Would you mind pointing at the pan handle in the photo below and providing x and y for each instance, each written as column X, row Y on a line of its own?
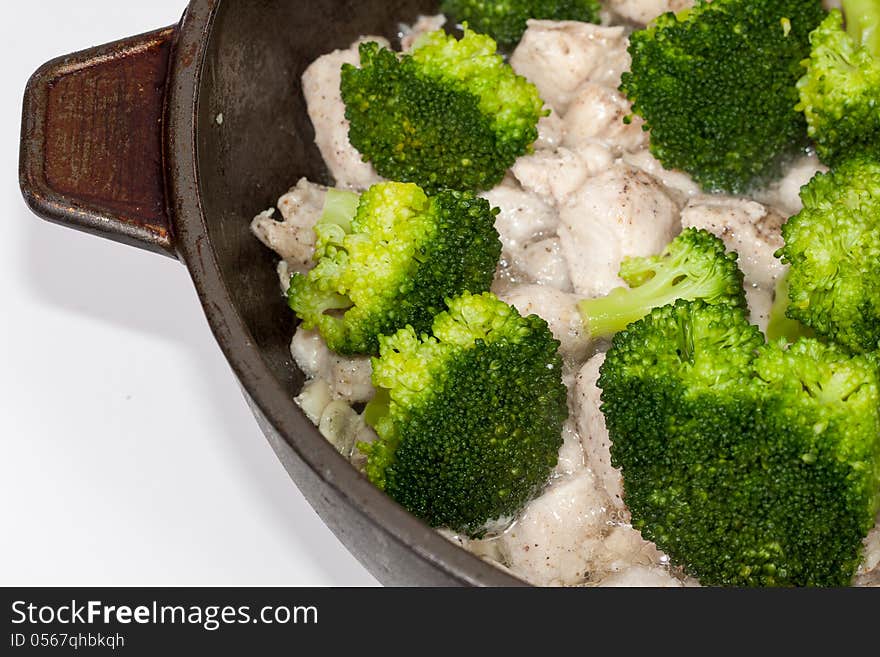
column 91, row 141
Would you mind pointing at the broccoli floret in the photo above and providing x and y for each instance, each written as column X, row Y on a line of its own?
column 833, row 246
column 389, row 259
column 749, row 464
column 840, row 91
column 716, row 85
column 695, row 265
column 469, row 418
column 505, row 20
column 451, row 114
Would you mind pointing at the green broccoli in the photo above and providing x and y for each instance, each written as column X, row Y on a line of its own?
column 389, row 259
column 505, row 20
column 470, row 418
column 780, row 325
column 452, row 114
column 840, row 91
column 716, row 85
column 833, row 246
column 695, row 265
column 749, row 464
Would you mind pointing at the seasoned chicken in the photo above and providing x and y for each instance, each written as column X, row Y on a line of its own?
column 644, row 11
column 320, row 85
column 559, row 310
column 594, row 434
column 293, row 238
column 642, row 576
column 596, row 115
column 553, row 540
column 679, row 185
column 556, row 175
column 524, row 217
column 571, row 454
column 559, row 56
column 619, row 213
column 542, row 263
column 754, row 232
column 349, row 377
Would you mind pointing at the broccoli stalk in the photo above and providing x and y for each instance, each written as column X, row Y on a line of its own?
column 839, row 91
column 505, row 20
column 452, row 114
column 389, row 258
column 695, row 265
column 470, row 417
column 749, row 464
column 862, row 23
column 780, row 326
column 716, row 85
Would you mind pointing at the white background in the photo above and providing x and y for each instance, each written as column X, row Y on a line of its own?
column 128, row 454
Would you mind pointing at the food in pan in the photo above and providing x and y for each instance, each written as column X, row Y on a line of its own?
column 638, row 344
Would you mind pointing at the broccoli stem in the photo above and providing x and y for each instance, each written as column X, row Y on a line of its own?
column 605, row 316
column 862, row 21
column 340, row 207
column 781, row 325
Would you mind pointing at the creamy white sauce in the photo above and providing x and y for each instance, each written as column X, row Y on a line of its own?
column 589, row 196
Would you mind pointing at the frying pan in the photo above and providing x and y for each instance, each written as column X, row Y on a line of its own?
column 172, row 141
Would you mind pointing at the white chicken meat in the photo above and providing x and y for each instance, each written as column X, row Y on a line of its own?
column 320, row 85
column 754, row 232
column 619, row 213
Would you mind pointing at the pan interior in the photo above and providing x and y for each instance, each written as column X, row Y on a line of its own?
column 255, row 139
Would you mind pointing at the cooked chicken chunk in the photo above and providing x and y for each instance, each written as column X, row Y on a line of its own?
column 553, row 540
column 559, row 56
column 679, row 185
column 619, row 213
column 594, row 434
column 320, row 84
column 542, row 263
column 524, row 217
column 642, row 576
column 559, row 310
column 754, row 232
column 644, row 11
column 571, row 454
column 293, row 238
column 556, row 175
column 596, row 115
column 349, row 377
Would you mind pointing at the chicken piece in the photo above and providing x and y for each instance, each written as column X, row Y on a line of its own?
column 644, row 11
column 553, row 540
column 679, row 185
column 571, row 453
column 551, row 132
column 523, row 216
column 320, row 84
column 784, row 194
column 642, row 576
column 423, row 25
column 596, row 115
column 754, row 232
column 556, row 175
column 868, row 573
column 594, row 434
column 559, row 310
column 349, row 378
column 542, row 263
column 619, row 213
column 559, row 56
column 293, row 238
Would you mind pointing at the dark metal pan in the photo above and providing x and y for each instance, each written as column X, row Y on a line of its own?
column 123, row 141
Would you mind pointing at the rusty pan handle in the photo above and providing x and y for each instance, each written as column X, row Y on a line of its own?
column 91, row 143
